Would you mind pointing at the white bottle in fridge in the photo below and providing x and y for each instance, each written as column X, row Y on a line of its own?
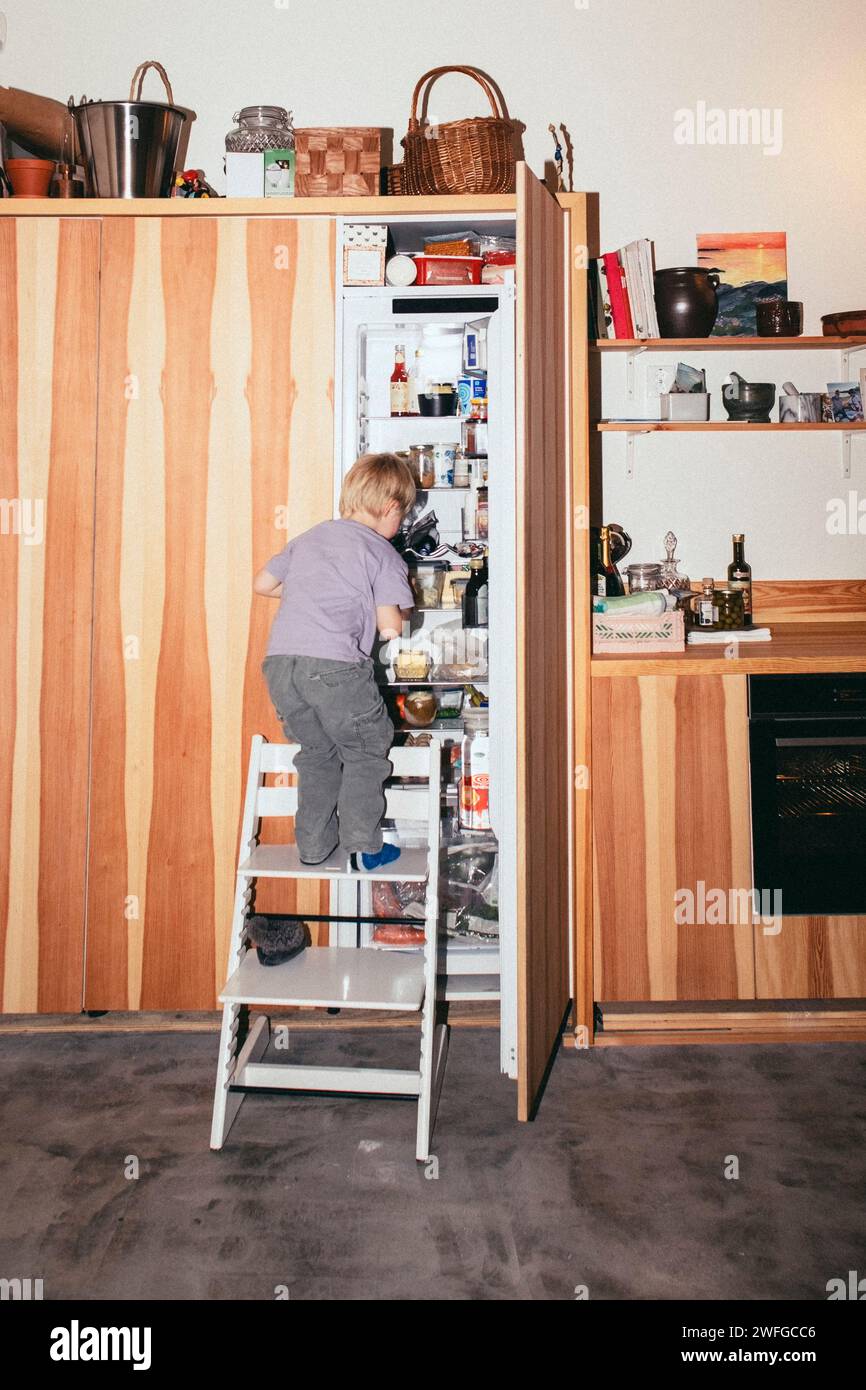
column 475, row 771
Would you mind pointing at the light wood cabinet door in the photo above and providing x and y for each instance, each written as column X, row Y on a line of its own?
column 49, row 296
column 670, row 781
column 215, row 447
column 811, row 958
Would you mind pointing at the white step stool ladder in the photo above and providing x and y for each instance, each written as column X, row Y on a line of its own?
column 333, row 977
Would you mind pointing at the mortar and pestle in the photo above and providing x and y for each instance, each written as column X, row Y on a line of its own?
column 748, row 400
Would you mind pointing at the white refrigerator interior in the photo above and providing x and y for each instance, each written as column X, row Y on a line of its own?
column 430, row 322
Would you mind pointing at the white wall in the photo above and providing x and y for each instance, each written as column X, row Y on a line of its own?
column 614, row 71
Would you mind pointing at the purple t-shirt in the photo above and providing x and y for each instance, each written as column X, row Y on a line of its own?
column 334, row 577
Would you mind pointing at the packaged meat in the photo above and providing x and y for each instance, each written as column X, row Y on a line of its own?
column 399, row 900
column 394, row 934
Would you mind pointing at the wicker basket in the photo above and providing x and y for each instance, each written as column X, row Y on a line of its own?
column 337, row 162
column 471, row 156
column 394, row 180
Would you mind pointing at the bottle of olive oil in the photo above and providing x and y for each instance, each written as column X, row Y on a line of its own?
column 740, row 576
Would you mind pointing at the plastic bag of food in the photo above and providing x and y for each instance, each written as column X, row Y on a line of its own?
column 420, row 536
column 469, row 888
column 399, row 899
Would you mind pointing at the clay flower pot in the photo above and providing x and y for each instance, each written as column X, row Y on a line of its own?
column 30, row 178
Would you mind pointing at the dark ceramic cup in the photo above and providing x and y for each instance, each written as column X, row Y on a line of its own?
column 779, row 318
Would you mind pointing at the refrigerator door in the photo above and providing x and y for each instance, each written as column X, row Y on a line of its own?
column 544, row 753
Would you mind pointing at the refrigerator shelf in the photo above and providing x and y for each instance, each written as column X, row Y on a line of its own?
column 426, row 419
column 446, row 685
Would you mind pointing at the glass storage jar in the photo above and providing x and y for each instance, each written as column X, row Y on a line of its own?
column 644, row 578
column 423, row 461
column 261, row 128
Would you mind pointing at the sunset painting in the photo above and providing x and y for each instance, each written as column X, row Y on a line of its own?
column 753, row 265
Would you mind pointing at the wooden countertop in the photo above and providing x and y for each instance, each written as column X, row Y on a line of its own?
column 801, row 648
column 396, row 207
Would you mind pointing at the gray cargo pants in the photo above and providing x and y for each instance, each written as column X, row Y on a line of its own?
column 334, row 710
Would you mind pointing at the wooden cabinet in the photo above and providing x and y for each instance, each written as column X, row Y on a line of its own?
column 49, row 287
column 670, row 786
column 167, row 380
column 672, row 839
column 167, row 424
column 215, row 445
column 812, row 958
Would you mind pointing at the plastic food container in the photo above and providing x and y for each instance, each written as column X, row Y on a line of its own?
column 427, row 582
column 448, row 270
column 411, row 666
column 452, row 590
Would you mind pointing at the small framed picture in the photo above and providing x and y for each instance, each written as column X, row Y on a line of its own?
column 846, row 401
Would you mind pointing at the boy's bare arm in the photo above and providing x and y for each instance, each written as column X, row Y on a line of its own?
column 265, row 583
column 390, row 619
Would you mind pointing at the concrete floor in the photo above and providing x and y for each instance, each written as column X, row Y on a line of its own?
column 618, row 1185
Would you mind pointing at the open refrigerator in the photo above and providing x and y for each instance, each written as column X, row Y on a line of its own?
column 477, row 929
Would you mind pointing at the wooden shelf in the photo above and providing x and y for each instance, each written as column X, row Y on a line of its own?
column 800, row 648
column 733, row 344
column 271, row 207
column 653, row 426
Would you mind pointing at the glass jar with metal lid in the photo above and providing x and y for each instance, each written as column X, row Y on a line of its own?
column 261, row 128
column 717, row 608
column 644, row 578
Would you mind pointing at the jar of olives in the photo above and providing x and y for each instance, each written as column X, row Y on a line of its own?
column 717, row 608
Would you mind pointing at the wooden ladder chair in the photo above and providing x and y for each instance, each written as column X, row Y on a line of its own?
column 334, row 977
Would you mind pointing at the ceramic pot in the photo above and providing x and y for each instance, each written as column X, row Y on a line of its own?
column 686, row 302
column 779, row 318
column 30, row 178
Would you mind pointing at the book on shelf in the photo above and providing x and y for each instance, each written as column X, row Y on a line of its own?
column 637, row 291
column 604, row 312
column 616, row 284
column 622, row 293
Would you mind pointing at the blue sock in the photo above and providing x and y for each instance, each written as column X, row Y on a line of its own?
column 386, row 855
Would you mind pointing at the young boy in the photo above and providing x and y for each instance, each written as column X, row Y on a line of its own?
column 337, row 584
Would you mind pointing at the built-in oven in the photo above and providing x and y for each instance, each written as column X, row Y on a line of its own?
column 807, row 738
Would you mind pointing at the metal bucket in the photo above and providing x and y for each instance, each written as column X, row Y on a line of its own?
column 131, row 148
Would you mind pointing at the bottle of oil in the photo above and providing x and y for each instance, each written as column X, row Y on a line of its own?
column 475, row 607
column 740, row 577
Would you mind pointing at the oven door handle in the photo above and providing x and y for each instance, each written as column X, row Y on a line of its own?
column 841, row 741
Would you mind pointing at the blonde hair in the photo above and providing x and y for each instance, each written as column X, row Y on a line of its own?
column 375, row 480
